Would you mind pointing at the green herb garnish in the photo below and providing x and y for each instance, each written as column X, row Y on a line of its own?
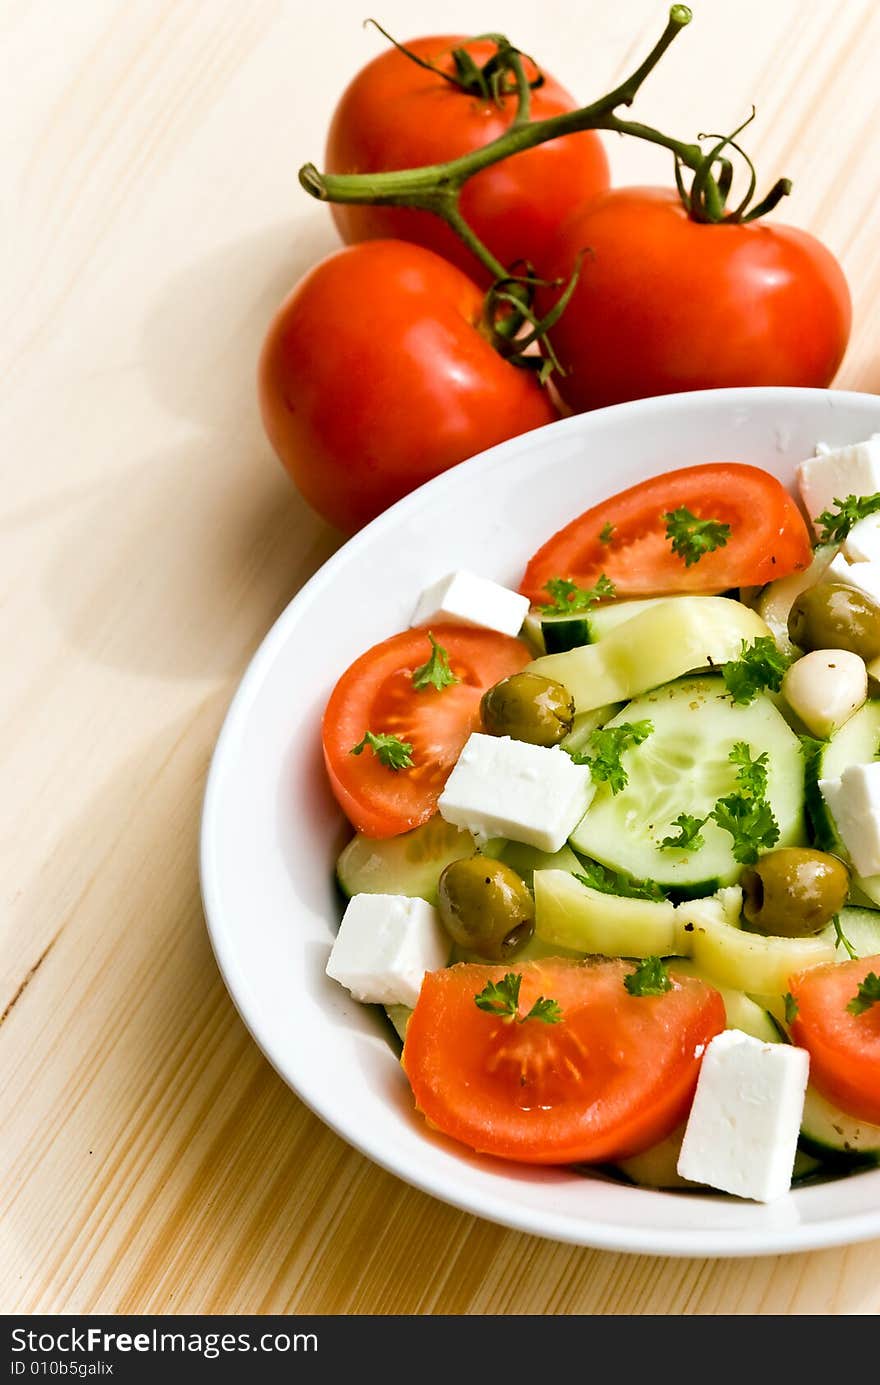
column 760, row 665
column 692, row 537
column 597, row 877
column 606, row 533
column 841, row 940
column 649, row 978
column 436, row 673
column 750, row 822
column 791, row 1007
column 389, row 750
column 689, row 836
column 867, row 995
column 752, row 774
column 836, row 524
column 609, row 744
column 567, row 597
column 502, row 998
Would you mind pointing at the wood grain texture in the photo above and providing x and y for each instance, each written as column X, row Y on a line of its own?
column 151, row 1160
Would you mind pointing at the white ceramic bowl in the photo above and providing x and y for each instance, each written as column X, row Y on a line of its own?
column 271, row 829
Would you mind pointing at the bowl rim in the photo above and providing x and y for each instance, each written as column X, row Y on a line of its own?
column 735, row 1242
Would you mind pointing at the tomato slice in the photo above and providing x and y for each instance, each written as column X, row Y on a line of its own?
column 844, row 1049
column 768, row 536
column 614, row 1076
column 376, row 694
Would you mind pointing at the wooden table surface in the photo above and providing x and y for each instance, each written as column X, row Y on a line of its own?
column 152, row 1161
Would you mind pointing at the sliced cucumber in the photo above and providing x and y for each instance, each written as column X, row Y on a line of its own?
column 751, row 962
column 409, row 864
column 856, row 743
column 585, row 723
column 775, row 602
column 667, row 639
column 830, row 1133
column 684, row 765
column 657, row 1167
column 554, row 634
column 399, row 1017
column 742, row 1013
column 525, row 860
column 569, row 914
column 861, row 928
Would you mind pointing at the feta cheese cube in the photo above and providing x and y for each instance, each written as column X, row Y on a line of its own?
column 854, row 802
column 742, row 1132
column 838, row 472
column 506, row 788
column 862, row 543
column 863, row 577
column 468, row 600
column 385, row 944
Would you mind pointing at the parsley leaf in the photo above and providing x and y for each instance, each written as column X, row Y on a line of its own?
column 548, row 1011
column 791, row 1007
column 597, row 877
column 436, row 673
column 389, row 750
column 752, row 774
column 836, row 524
column 867, row 995
column 609, row 744
column 606, row 533
column 502, row 998
column 692, row 537
column 689, row 835
column 750, row 822
column 649, row 978
column 841, row 940
column 567, row 597
column 760, row 665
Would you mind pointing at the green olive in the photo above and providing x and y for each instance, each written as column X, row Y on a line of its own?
column 794, row 891
column 486, row 907
column 529, row 708
column 831, row 616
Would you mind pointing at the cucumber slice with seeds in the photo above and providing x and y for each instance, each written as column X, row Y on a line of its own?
column 684, row 765
column 830, row 1133
column 409, row 864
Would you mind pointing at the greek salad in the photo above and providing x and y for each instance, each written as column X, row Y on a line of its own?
column 615, row 874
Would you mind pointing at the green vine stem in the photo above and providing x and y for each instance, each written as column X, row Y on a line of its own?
column 437, row 187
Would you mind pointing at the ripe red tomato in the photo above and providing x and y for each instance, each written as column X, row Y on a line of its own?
column 768, row 536
column 375, row 376
column 844, row 1049
column 396, row 114
column 614, row 1076
column 377, row 694
column 664, row 303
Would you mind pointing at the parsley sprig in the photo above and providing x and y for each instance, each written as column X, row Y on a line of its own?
column 390, row 751
column 692, row 537
column 689, row 835
column 568, row 598
column 435, row 673
column 751, row 774
column 841, row 940
column 502, row 998
column 606, row 533
column 867, row 995
column 606, row 881
column 606, row 748
column 790, row 1006
column 649, row 978
column 760, row 665
column 832, row 526
column 751, row 824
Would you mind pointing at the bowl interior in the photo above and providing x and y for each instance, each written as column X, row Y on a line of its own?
column 271, row 829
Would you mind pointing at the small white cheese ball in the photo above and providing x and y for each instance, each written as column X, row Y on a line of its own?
column 825, row 688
